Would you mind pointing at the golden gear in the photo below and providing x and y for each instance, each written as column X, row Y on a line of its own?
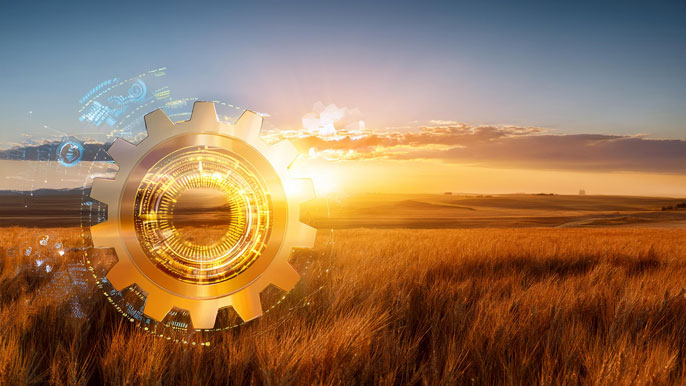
column 260, row 204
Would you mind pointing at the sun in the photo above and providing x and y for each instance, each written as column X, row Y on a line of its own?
column 325, row 178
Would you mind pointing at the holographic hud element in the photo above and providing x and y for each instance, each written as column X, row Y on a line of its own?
column 55, row 184
column 70, row 152
column 116, row 106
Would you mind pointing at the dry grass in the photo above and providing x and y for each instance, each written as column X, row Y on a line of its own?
column 521, row 306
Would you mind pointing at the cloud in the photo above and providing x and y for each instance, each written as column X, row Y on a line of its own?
column 442, row 122
column 326, row 120
column 595, row 152
column 502, row 147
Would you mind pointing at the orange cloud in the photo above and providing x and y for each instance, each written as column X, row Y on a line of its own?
column 499, row 146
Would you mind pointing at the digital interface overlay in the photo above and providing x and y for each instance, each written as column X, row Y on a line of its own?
column 115, row 109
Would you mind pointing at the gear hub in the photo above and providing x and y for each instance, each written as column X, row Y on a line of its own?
column 203, row 215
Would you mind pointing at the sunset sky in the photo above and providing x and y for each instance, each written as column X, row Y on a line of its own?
column 401, row 97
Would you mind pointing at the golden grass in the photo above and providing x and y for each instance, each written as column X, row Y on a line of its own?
column 486, row 306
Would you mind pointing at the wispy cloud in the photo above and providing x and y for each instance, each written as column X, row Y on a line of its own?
column 494, row 146
column 442, row 122
column 327, row 119
column 595, row 152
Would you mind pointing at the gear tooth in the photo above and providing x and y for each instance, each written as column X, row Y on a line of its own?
column 285, row 277
column 120, row 276
column 247, row 304
column 304, row 236
column 205, row 114
column 301, row 189
column 204, row 315
column 283, row 153
column 157, row 122
column 104, row 190
column 248, row 126
column 104, row 235
column 120, row 149
column 155, row 307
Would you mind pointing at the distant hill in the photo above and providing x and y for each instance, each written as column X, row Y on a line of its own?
column 48, row 208
column 48, row 151
column 499, row 211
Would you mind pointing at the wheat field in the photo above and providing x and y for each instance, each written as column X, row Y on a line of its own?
column 427, row 307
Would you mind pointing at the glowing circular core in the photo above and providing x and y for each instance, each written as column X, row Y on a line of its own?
column 202, row 215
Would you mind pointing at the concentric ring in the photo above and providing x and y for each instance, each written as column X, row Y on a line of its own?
column 243, row 215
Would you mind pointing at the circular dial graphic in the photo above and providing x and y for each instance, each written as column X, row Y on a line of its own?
column 202, row 214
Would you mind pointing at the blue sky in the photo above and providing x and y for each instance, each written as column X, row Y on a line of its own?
column 609, row 68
